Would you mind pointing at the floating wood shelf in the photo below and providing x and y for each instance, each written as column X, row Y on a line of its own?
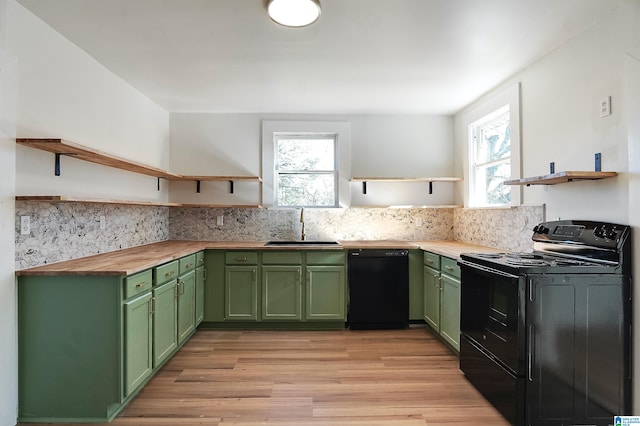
column 562, row 177
column 430, row 180
column 64, row 147
column 405, row 179
column 65, row 199
column 438, row 206
column 217, row 178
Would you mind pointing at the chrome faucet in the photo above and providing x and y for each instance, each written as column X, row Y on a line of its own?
column 302, row 222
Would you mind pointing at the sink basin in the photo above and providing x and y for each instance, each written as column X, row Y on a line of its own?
column 302, row 243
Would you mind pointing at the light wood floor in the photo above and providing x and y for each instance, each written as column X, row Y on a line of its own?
column 333, row 378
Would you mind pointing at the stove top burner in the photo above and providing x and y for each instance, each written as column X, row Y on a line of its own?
column 531, row 259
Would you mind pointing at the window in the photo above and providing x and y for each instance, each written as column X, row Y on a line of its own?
column 305, row 170
column 491, row 153
column 305, row 163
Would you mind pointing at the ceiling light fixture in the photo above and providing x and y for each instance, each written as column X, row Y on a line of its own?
column 294, row 13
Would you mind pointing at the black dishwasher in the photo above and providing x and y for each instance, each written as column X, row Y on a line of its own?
column 378, row 289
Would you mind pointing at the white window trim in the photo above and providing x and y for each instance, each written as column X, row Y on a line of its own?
column 341, row 129
column 509, row 96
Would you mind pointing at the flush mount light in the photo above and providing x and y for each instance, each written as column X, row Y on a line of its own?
column 294, row 13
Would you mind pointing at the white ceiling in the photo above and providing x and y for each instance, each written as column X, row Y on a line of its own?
column 362, row 56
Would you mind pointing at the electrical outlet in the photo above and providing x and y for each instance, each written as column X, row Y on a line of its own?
column 220, row 220
column 605, row 107
column 25, row 225
column 103, row 223
column 418, row 221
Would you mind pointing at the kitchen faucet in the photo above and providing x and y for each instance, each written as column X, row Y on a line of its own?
column 302, row 222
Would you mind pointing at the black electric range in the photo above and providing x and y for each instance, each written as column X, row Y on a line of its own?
column 546, row 334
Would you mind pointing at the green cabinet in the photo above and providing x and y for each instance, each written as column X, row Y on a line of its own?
column 87, row 344
column 241, row 293
column 186, row 291
column 138, row 342
column 416, row 286
column 325, row 293
column 276, row 286
column 442, row 297
column 201, row 278
column 165, row 321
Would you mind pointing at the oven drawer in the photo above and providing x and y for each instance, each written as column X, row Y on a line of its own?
column 504, row 390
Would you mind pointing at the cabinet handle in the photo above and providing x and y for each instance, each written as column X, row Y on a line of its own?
column 429, row 261
column 188, row 265
column 168, row 274
column 253, row 275
column 153, row 306
column 142, row 284
column 204, row 274
column 449, row 268
column 241, row 259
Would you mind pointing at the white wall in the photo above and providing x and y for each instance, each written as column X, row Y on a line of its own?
column 561, row 123
column 65, row 93
column 633, row 103
column 381, row 145
column 8, row 304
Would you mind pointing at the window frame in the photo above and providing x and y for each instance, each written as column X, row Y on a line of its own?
column 475, row 132
column 278, row 172
column 342, row 130
column 509, row 95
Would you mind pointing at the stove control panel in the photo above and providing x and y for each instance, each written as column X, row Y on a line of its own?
column 580, row 232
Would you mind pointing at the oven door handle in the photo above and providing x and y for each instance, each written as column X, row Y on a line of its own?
column 486, row 270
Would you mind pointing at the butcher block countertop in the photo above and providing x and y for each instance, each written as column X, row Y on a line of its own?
column 129, row 261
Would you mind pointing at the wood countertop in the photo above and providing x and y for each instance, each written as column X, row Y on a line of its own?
column 129, row 261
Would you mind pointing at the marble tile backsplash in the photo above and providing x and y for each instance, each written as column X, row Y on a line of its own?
column 320, row 224
column 508, row 229
column 62, row 231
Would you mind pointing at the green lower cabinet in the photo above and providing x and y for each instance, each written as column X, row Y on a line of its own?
column 201, row 277
column 186, row 305
column 138, row 342
column 450, row 315
column 325, row 293
column 281, row 293
column 165, row 322
column 431, row 294
column 241, row 293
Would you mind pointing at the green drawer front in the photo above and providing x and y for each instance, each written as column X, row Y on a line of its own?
column 281, row 258
column 326, row 258
column 450, row 267
column 138, row 283
column 199, row 258
column 432, row 260
column 166, row 272
column 187, row 263
column 241, row 258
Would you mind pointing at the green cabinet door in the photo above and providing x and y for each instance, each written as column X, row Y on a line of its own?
column 416, row 285
column 186, row 305
column 165, row 322
column 201, row 276
column 432, row 297
column 325, row 293
column 281, row 292
column 450, row 311
column 138, row 337
column 241, row 293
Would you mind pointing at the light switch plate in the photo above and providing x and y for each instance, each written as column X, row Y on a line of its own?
column 25, row 225
column 220, row 220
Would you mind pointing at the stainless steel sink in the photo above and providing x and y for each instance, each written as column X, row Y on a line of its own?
column 302, row 243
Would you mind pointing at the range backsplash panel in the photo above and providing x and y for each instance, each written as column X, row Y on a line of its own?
column 63, row 231
column 509, row 229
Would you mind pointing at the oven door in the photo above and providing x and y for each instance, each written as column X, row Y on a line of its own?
column 492, row 313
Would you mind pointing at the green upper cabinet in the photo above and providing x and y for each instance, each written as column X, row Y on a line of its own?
column 281, row 292
column 138, row 342
column 325, row 293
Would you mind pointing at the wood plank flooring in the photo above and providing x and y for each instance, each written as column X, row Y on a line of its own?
column 311, row 378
